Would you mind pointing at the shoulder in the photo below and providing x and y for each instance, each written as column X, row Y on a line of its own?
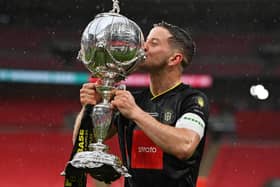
column 196, row 101
column 191, row 93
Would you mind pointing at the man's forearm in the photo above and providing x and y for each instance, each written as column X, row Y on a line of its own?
column 179, row 142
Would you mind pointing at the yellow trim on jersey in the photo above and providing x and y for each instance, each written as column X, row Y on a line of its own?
column 155, row 96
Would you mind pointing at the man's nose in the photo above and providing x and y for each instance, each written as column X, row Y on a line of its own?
column 145, row 47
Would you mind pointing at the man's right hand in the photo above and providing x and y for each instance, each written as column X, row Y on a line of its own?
column 89, row 95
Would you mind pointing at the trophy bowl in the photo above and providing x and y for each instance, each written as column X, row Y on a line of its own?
column 111, row 48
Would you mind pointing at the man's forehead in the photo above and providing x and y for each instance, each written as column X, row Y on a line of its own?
column 158, row 33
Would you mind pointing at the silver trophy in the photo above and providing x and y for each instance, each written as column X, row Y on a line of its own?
column 111, row 47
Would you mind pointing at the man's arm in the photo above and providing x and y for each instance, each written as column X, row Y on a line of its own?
column 180, row 142
column 77, row 124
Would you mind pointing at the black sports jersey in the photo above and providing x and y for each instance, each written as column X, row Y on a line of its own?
column 167, row 108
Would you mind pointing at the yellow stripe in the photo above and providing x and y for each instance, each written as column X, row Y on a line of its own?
column 155, row 96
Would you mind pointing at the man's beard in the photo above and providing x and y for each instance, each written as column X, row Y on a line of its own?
column 150, row 67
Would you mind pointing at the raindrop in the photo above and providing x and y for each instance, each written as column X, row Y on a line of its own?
column 255, row 20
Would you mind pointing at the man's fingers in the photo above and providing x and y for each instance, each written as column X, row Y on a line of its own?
column 87, row 99
column 88, row 89
column 89, row 85
column 88, row 94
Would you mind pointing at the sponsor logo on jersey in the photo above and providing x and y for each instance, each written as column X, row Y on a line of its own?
column 143, row 149
column 145, row 153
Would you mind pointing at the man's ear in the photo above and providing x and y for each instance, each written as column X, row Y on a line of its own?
column 176, row 58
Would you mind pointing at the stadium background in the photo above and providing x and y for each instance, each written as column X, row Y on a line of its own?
column 238, row 46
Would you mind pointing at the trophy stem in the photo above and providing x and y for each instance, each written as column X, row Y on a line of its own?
column 106, row 95
column 101, row 119
column 99, row 146
column 105, row 91
column 99, row 141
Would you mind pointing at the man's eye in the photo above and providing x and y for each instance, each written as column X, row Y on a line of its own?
column 154, row 43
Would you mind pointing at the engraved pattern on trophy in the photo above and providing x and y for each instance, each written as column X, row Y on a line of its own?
column 111, row 48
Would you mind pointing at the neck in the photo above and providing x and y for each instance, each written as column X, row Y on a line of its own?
column 160, row 82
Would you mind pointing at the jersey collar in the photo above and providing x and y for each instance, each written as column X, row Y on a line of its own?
column 156, row 96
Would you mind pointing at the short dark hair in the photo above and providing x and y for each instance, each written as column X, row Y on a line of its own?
column 182, row 40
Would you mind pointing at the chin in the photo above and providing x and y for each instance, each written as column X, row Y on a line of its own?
column 141, row 68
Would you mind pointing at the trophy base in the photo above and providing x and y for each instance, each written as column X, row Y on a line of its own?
column 100, row 165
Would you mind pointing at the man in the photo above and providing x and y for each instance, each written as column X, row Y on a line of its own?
column 161, row 129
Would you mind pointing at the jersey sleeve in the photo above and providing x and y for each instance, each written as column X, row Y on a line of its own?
column 194, row 114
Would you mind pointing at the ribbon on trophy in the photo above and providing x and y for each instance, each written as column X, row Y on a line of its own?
column 76, row 177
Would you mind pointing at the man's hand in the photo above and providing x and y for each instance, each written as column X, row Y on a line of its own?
column 125, row 103
column 89, row 95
